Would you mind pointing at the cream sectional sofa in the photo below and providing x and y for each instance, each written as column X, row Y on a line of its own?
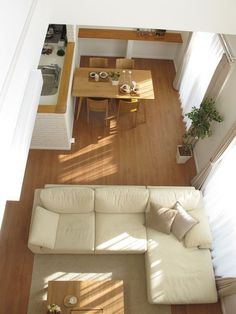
column 111, row 220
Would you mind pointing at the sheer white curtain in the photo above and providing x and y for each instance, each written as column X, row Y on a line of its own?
column 200, row 62
column 219, row 194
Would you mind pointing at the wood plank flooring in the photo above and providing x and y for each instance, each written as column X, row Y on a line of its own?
column 196, row 309
column 124, row 155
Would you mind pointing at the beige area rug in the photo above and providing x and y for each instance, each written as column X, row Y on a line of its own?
column 129, row 268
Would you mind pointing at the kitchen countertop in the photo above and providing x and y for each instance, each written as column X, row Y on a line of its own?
column 53, row 58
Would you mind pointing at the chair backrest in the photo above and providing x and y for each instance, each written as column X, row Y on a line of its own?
column 97, row 104
column 128, row 106
column 98, row 62
column 124, row 63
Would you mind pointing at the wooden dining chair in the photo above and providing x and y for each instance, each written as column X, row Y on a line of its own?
column 129, row 106
column 98, row 62
column 97, row 105
column 124, row 63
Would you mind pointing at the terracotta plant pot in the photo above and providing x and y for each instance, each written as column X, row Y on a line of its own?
column 182, row 156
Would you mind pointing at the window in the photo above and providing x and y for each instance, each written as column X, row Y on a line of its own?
column 202, row 57
column 220, row 198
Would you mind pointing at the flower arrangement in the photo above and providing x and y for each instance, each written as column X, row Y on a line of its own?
column 114, row 75
column 54, row 309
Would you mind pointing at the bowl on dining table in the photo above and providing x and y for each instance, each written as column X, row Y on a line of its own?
column 125, row 88
column 103, row 75
column 92, row 74
column 135, row 90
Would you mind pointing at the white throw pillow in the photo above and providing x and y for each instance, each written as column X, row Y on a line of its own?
column 44, row 228
column 200, row 235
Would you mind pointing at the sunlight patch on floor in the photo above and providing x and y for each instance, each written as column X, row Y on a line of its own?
column 95, row 170
column 62, row 276
column 88, row 149
column 88, row 173
column 89, row 163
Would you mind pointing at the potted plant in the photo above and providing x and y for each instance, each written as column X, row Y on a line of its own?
column 114, row 77
column 200, row 128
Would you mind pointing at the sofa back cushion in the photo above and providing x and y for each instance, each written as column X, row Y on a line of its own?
column 121, row 200
column 68, row 200
column 188, row 197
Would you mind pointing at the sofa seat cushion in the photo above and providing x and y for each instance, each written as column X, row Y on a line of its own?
column 121, row 200
column 120, row 233
column 76, row 233
column 178, row 275
column 68, row 200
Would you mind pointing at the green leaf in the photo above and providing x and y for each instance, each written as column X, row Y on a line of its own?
column 201, row 118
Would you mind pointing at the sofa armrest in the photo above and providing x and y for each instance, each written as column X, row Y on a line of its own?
column 43, row 230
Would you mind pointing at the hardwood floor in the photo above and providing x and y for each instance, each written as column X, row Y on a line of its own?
column 196, row 309
column 142, row 155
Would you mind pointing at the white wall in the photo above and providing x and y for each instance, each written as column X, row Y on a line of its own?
column 118, row 48
column 19, row 149
column 11, row 33
column 102, row 47
column 154, row 50
column 24, row 26
column 186, row 15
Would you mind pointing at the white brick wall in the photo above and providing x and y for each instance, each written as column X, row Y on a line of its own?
column 50, row 132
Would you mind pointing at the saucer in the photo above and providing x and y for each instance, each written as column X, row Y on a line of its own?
column 70, row 300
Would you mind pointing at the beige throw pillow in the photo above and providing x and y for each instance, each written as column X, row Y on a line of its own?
column 183, row 222
column 160, row 218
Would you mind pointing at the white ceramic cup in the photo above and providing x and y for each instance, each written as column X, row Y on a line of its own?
column 73, row 300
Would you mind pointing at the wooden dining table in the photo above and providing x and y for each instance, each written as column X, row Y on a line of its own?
column 84, row 86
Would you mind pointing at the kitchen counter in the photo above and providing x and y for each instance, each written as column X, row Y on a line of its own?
column 53, row 58
column 54, row 123
column 59, row 103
